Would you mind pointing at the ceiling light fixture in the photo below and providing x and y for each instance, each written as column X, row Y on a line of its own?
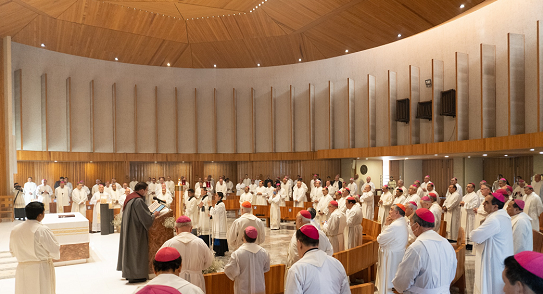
column 469, row 156
column 258, row 64
column 446, row 156
column 168, row 64
column 299, row 59
column 541, row 152
column 506, row 155
column 91, row 161
column 116, row 59
column 366, row 158
column 358, row 158
column 485, row 154
column 406, row 158
column 56, row 161
column 214, row 65
column 399, row 35
column 347, row 51
column 43, row 45
column 462, row 6
column 532, row 149
column 435, row 154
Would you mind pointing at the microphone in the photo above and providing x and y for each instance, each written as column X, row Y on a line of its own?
column 159, row 200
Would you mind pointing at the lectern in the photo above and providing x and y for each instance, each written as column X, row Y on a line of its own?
column 106, row 219
column 158, row 234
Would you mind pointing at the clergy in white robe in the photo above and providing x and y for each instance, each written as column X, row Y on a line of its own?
column 44, row 194
column 218, row 231
column 170, row 185
column 533, row 207
column 315, row 272
column 493, row 243
column 334, row 227
column 392, row 243
column 229, row 186
column 385, row 202
column 303, row 218
column 246, row 181
column 369, row 183
column 126, row 187
column 261, row 194
column 518, row 191
column 195, row 253
column 537, row 184
column 298, row 194
column 410, row 209
column 469, row 202
column 191, row 208
column 184, row 183
column 221, row 186
column 342, row 201
column 29, row 190
column 165, row 196
column 34, row 246
column 204, row 221
column 239, row 188
column 79, row 200
column 167, row 265
column 430, row 188
column 353, row 229
column 424, row 184
column 352, row 187
column 523, row 237
column 454, row 181
column 436, row 209
column 132, row 184
column 286, row 185
column 95, row 187
column 322, row 207
column 116, row 196
column 62, row 197
column 402, row 187
column 399, row 197
column 98, row 198
column 316, row 194
column 152, row 191
column 480, row 213
column 451, row 207
column 367, row 203
column 412, row 195
column 246, row 196
column 275, row 210
column 429, row 264
column 248, row 264
column 247, row 219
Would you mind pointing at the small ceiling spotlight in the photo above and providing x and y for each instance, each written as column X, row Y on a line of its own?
column 446, row 156
column 214, row 65
column 469, row 156
column 435, row 154
column 299, row 59
column 56, row 161
column 347, row 51
column 366, row 158
column 116, row 59
column 541, row 152
column 168, row 64
column 91, row 161
column 43, row 45
column 406, row 158
column 399, row 35
column 532, row 149
column 462, row 6
column 258, row 64
column 506, row 155
column 485, row 154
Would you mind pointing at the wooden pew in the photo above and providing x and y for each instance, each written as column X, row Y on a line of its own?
column 371, row 229
column 538, row 241
column 367, row 288
column 443, row 229
column 460, row 249
column 541, row 223
column 219, row 283
column 360, row 260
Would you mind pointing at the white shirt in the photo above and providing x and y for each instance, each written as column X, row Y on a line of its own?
column 29, row 190
column 292, row 253
column 316, row 272
column 353, row 187
column 245, row 197
column 132, row 185
column 246, row 268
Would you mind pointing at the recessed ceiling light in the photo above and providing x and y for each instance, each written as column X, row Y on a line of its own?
column 168, row 64
column 506, row 155
column 462, row 6
column 532, row 149
column 366, row 158
column 212, row 161
column 358, row 158
column 258, row 64
column 485, row 154
column 116, row 59
column 469, row 156
column 91, row 161
column 347, row 51
column 299, row 59
column 541, row 152
column 406, row 158
column 399, row 35
column 43, row 45
column 55, row 161
column 435, row 154
column 155, row 161
column 214, row 65
column 446, row 156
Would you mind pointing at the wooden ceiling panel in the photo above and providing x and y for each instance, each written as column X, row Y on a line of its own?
column 13, row 17
column 168, row 52
column 166, row 8
column 130, row 20
column 189, row 11
column 53, row 8
column 237, row 5
column 185, row 59
column 211, row 30
column 437, row 11
column 224, row 54
column 258, row 25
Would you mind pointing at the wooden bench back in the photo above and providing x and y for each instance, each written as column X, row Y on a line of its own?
column 219, row 283
column 538, row 241
column 367, row 288
column 371, row 228
column 358, row 258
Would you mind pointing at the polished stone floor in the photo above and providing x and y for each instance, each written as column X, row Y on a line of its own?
column 98, row 275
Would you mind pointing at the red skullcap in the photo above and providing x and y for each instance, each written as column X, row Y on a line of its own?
column 310, row 231
column 351, row 198
column 414, row 203
column 426, row 198
column 425, row 215
column 401, row 206
column 167, row 254
column 499, row 196
column 347, row 189
column 334, row 203
column 305, row 214
column 520, row 203
column 509, row 188
column 529, row 186
column 251, row 232
column 158, row 289
column 432, row 194
column 521, row 181
column 183, row 219
column 531, row 261
column 246, row 204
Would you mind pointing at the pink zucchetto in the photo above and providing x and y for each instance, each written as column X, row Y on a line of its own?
column 426, row 198
column 531, row 261
column 251, row 232
column 425, row 215
column 499, row 196
column 503, row 179
column 183, row 219
column 509, row 188
column 529, row 187
column 305, row 214
column 521, row 181
column 520, row 203
column 310, row 231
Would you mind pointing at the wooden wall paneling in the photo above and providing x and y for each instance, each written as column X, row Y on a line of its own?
column 488, row 91
column 438, row 129
column 392, row 97
column 234, row 120
column 196, row 120
column 253, row 121
column 177, row 122
column 440, row 172
column 462, row 96
column 136, row 118
column 539, row 75
column 4, row 185
column 217, row 169
column 414, row 97
column 509, row 167
column 516, row 83
column 330, row 111
column 69, row 114
column 351, row 113
column 114, row 112
column 215, row 127
column 197, row 170
column 18, row 100
column 311, row 108
column 272, row 113
column 372, row 114
column 44, row 120
column 394, row 169
column 291, row 112
column 143, row 170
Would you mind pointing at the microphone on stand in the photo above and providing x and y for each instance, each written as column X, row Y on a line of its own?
column 159, row 200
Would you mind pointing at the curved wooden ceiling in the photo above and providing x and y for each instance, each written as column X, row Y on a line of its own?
column 228, row 33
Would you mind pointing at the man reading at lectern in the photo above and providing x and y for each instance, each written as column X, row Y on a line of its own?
column 133, row 258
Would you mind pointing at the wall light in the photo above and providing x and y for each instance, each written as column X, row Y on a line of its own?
column 506, row 155
column 541, row 152
column 446, row 156
column 428, row 83
column 485, row 154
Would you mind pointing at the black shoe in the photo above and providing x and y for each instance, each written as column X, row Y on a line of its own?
column 137, row 281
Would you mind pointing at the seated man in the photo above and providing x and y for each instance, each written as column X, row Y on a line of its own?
column 167, row 266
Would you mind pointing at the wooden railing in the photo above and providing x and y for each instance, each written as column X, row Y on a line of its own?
column 538, row 241
column 219, row 283
column 367, row 288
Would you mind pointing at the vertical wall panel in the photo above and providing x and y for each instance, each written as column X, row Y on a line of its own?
column 312, row 117
column 372, row 115
column 282, row 119
column 81, row 115
column 330, row 117
column 414, row 96
column 146, row 128
column 462, row 96
column 272, row 118
column 17, row 102
column 392, row 97
column 488, row 90
column 517, row 87
column 352, row 112
column 186, row 113
column 114, row 112
column 69, row 114
column 125, row 109
column 301, row 114
column 92, row 110
column 234, row 120
column 339, row 113
column 44, row 122
column 244, row 121
column 166, row 119
column 437, row 88
column 103, row 117
column 540, row 74
column 291, row 107
column 262, row 120
column 225, row 121
column 204, row 109
column 56, row 112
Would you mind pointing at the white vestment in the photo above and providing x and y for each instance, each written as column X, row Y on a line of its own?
column 316, row 196
column 382, row 214
column 166, row 198
column 175, row 282
column 79, row 201
column 275, row 211
column 204, row 222
column 245, row 197
column 219, row 220
column 353, row 229
column 438, row 212
column 452, row 215
column 533, row 208
column 62, row 196
column 35, row 247
column 237, row 229
column 43, row 195
column 239, row 188
column 538, row 187
column 352, row 187
column 399, row 200
column 195, row 255
column 323, row 207
column 428, row 266
column 170, row 185
column 30, row 191
column 471, row 201
column 415, row 198
column 371, row 184
column 117, row 197
column 95, row 188
column 97, row 199
column 246, row 268
column 261, row 199
column 298, row 196
column 392, row 243
column 481, row 215
column 132, row 185
column 523, row 237
column 334, row 229
column 221, row 188
column 367, row 204
column 247, row 182
column 292, row 253
column 317, row 272
column 288, row 190
column 494, row 242
column 191, row 210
